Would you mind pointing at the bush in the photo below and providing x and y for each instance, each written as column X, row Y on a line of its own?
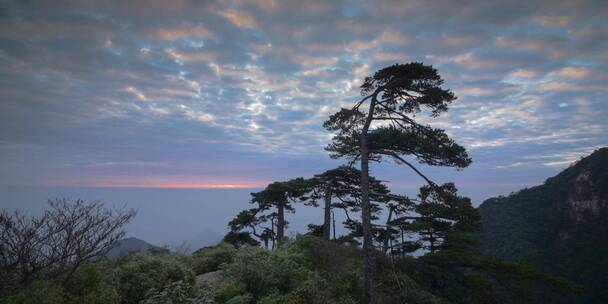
column 39, row 292
column 264, row 275
column 139, row 274
column 179, row 293
column 94, row 283
column 241, row 299
column 209, row 259
column 252, row 269
column 306, row 270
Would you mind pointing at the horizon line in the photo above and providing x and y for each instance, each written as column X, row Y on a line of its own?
column 149, row 186
column 226, row 185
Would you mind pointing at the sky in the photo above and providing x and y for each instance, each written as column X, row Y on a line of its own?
column 233, row 94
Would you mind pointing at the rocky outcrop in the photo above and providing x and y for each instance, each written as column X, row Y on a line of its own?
column 584, row 204
column 210, row 278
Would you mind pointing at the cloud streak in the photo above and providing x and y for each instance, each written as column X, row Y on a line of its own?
column 230, row 88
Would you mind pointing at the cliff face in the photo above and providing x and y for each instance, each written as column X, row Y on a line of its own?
column 585, row 204
column 560, row 227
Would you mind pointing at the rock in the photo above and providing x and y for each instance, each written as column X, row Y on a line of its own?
column 209, row 278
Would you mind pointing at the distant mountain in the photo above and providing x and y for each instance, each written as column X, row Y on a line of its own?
column 204, row 238
column 134, row 245
column 560, row 227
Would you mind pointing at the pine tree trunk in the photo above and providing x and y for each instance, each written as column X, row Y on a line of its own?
column 280, row 222
column 387, row 236
column 432, row 241
column 327, row 215
column 402, row 242
column 368, row 263
column 333, row 218
column 368, row 254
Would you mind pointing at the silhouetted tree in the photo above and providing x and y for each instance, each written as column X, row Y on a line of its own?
column 441, row 211
column 340, row 188
column 382, row 124
column 59, row 241
column 427, row 220
column 397, row 207
column 256, row 222
column 342, row 183
column 238, row 239
column 316, row 230
column 270, row 207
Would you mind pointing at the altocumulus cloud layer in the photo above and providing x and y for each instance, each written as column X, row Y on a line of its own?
column 182, row 93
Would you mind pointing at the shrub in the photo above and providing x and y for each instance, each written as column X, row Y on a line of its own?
column 211, row 258
column 139, row 274
column 39, row 292
column 179, row 293
column 241, row 299
column 94, row 283
column 252, row 269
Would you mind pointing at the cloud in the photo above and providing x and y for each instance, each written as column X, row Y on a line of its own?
column 182, row 31
column 523, row 73
column 468, row 60
column 136, row 92
column 197, row 115
column 552, row 21
column 241, row 19
column 241, row 88
column 574, row 72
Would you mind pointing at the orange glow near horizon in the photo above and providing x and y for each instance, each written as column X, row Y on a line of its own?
column 188, row 186
column 161, row 184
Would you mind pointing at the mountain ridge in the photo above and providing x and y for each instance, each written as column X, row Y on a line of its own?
column 558, row 227
column 130, row 245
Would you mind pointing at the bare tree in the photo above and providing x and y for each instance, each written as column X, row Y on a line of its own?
column 58, row 241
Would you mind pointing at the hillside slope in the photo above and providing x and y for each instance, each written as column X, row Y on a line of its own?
column 560, row 227
column 134, row 245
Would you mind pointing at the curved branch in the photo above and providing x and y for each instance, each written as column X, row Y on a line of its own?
column 396, row 156
column 356, row 107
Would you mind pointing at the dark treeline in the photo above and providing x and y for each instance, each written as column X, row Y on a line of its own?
column 398, row 249
column 381, row 125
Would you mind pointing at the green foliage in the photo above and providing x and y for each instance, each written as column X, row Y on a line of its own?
column 252, row 270
column 138, row 274
column 261, row 271
column 442, row 212
column 543, row 227
column 209, row 259
column 95, row 283
column 305, row 270
column 238, row 239
column 465, row 276
column 39, row 292
column 240, row 299
column 179, row 293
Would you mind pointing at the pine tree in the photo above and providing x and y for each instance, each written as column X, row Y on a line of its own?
column 382, row 124
column 441, row 212
column 340, row 188
column 267, row 219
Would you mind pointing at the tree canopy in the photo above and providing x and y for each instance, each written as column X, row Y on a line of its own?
column 266, row 220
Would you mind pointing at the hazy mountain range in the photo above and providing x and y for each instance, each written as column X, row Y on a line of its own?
column 133, row 245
